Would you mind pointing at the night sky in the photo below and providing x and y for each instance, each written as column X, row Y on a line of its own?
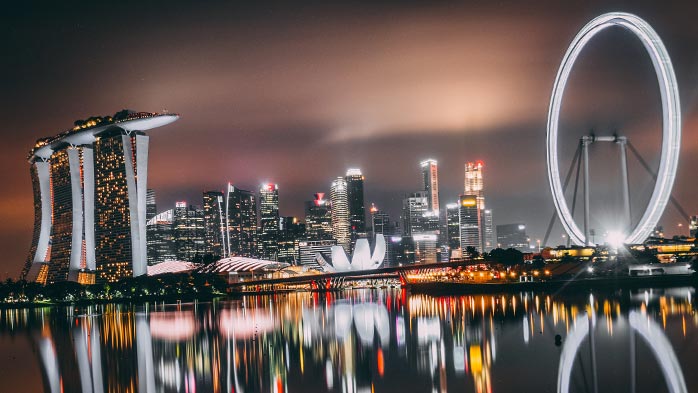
column 296, row 95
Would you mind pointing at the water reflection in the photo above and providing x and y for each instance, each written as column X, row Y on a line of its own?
column 366, row 341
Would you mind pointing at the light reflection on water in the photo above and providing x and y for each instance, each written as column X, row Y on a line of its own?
column 369, row 340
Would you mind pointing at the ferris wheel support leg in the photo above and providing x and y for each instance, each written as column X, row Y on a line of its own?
column 622, row 141
column 585, row 157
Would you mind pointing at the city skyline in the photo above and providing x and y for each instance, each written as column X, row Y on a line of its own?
column 461, row 129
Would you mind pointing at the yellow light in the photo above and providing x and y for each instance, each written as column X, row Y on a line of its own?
column 469, row 202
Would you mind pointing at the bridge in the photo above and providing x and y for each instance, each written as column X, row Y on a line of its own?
column 339, row 280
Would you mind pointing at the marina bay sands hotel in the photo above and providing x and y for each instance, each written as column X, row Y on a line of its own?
column 90, row 199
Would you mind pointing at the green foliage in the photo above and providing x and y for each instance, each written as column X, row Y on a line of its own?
column 508, row 257
column 166, row 285
column 472, row 252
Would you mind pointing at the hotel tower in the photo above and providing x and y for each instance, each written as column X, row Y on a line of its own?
column 90, row 197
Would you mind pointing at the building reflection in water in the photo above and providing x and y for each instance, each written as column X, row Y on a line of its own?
column 358, row 341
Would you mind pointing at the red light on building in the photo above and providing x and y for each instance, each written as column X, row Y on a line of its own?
column 319, row 201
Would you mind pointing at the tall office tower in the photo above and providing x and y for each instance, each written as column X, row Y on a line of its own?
column 430, row 182
column 151, row 208
column 422, row 226
column 414, row 207
column 90, row 199
column 318, row 218
column 474, row 185
column 474, row 182
column 189, row 232
column 309, row 250
column 380, row 222
column 340, row 213
column 693, row 226
column 291, row 231
column 161, row 244
column 355, row 198
column 214, row 221
column 268, row 241
column 469, row 222
column 512, row 236
column 453, row 229
column 240, row 223
column 487, row 230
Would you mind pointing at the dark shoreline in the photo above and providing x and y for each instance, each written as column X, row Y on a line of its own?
column 623, row 282
column 427, row 288
column 125, row 300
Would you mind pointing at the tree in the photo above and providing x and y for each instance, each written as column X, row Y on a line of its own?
column 509, row 257
column 472, row 252
column 538, row 262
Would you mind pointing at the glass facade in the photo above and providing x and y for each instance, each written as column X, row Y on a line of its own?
column 318, row 218
column 430, row 182
column 469, row 223
column 241, row 222
column 355, row 203
column 62, row 229
column 214, row 222
column 340, row 213
column 189, row 232
column 269, row 222
column 161, row 246
column 291, row 232
column 114, row 246
column 512, row 236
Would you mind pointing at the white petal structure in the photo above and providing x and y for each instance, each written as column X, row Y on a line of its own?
column 340, row 261
column 362, row 259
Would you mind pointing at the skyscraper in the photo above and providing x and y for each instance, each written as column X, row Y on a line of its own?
column 380, row 222
column 189, row 232
column 340, row 213
column 430, row 182
column 693, row 226
column 355, row 198
column 512, row 236
column 291, row 232
column 422, row 226
column 487, row 230
column 161, row 245
column 240, row 222
column 474, row 185
column 469, row 223
column 90, row 186
column 414, row 208
column 214, row 221
column 318, row 218
column 453, row 227
column 151, row 208
column 269, row 222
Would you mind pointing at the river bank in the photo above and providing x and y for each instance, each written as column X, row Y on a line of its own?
column 620, row 282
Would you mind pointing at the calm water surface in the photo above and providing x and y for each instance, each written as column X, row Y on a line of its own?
column 360, row 341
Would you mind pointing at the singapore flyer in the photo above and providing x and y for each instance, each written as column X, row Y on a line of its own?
column 671, row 124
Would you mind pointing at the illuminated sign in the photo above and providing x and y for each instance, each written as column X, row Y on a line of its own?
column 468, row 201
